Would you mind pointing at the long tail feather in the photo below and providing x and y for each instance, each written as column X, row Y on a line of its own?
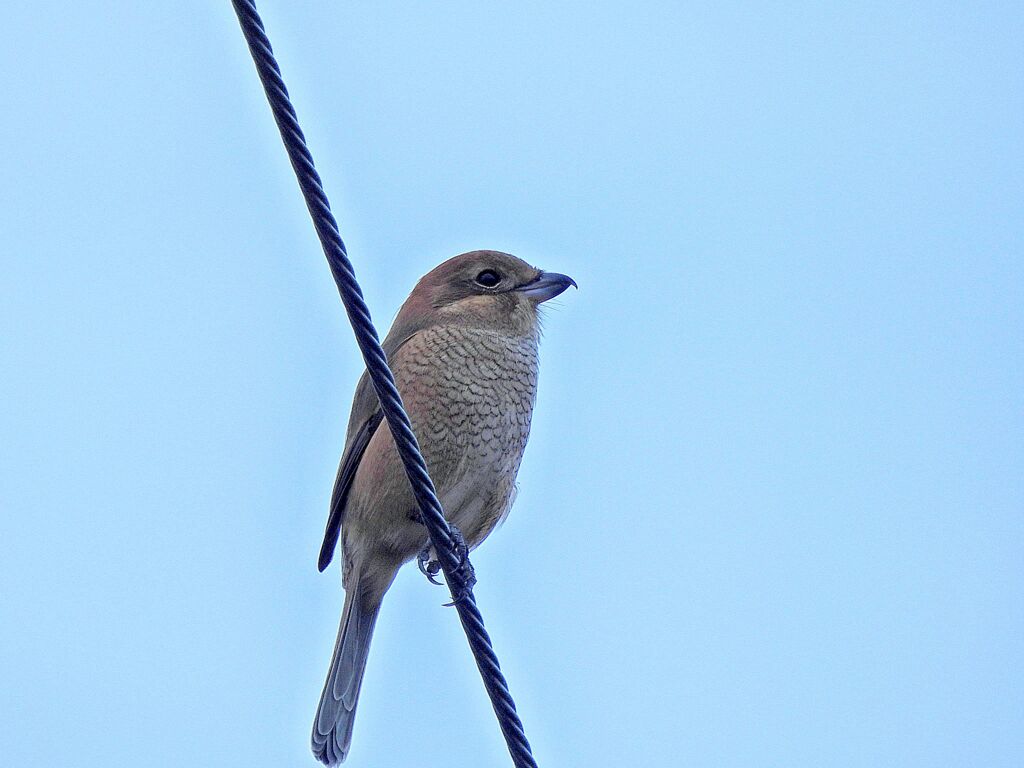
column 332, row 728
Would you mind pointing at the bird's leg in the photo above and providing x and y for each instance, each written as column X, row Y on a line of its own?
column 430, row 566
column 464, row 572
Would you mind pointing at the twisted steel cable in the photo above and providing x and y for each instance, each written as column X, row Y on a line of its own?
column 454, row 563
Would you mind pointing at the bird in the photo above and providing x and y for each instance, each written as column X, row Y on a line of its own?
column 464, row 351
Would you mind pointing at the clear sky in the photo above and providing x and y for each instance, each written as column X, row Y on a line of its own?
column 772, row 512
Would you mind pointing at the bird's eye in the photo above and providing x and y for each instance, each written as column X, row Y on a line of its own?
column 488, row 278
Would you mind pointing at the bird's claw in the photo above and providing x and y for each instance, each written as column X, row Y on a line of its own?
column 428, row 566
column 464, row 573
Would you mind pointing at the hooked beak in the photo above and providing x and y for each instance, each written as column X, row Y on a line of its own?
column 546, row 286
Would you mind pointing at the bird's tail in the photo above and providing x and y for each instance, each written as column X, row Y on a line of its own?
column 332, row 729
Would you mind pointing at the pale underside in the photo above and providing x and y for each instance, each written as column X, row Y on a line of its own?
column 470, row 395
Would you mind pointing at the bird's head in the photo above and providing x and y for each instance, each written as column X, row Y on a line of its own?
column 483, row 289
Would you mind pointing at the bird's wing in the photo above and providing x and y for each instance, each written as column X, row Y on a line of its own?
column 346, row 474
column 363, row 423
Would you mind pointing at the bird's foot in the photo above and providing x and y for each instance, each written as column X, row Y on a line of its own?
column 428, row 566
column 464, row 573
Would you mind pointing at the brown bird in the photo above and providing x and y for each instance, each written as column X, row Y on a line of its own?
column 463, row 349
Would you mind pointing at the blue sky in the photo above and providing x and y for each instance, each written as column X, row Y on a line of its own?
column 771, row 512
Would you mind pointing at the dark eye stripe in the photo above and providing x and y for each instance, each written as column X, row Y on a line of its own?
column 488, row 278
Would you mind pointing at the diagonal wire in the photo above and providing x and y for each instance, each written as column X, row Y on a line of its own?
column 456, row 566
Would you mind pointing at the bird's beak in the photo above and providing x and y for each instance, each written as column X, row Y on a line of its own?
column 546, row 286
